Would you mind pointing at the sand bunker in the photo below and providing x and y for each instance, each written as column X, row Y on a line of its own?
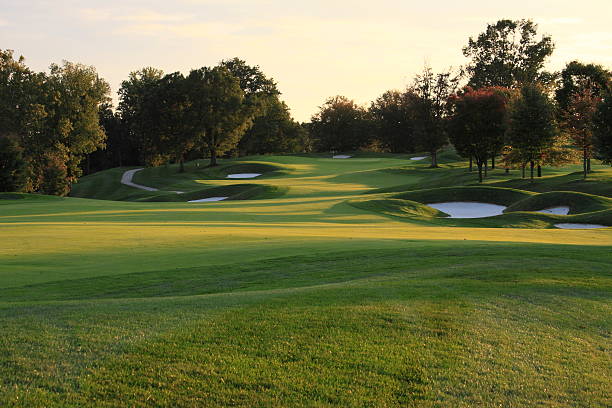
column 579, row 226
column 468, row 209
column 418, row 158
column 561, row 210
column 341, row 156
column 204, row 200
column 243, row 175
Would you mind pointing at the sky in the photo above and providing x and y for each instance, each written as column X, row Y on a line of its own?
column 314, row 49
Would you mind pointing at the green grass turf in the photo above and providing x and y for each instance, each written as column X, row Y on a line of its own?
column 332, row 285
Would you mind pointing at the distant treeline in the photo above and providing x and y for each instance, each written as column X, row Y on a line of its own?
column 508, row 108
column 501, row 106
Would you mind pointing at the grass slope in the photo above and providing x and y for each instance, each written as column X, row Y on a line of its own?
column 332, row 286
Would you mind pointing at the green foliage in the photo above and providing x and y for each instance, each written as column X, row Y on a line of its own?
column 219, row 111
column 393, row 116
column 602, row 123
column 576, row 77
column 431, row 110
column 13, row 166
column 507, row 54
column 477, row 125
column 532, row 127
column 340, row 125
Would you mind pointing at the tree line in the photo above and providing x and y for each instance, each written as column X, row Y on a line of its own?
column 56, row 126
column 509, row 109
column 501, row 108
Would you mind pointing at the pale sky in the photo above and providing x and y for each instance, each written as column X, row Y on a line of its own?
column 314, row 49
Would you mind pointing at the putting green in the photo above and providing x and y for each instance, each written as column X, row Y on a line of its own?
column 323, row 282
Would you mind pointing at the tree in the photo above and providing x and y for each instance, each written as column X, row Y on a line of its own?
column 74, row 94
column 218, row 113
column 340, row 125
column 578, row 122
column 602, row 122
column 577, row 77
column 507, row 54
column 136, row 97
column 275, row 132
column 532, row 128
column 477, row 125
column 393, row 117
column 430, row 110
column 171, row 104
column 13, row 166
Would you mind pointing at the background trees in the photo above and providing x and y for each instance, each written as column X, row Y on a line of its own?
column 431, row 109
column 602, row 123
column 340, row 125
column 219, row 112
column 54, row 117
column 578, row 122
column 507, row 54
column 13, row 166
column 477, row 125
column 393, row 116
column 532, row 127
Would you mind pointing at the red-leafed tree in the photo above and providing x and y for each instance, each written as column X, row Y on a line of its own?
column 478, row 124
column 578, row 122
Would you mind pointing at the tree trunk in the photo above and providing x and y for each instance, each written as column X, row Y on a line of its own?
column 585, row 166
column 181, row 164
column 531, row 166
column 470, row 164
column 523, row 169
column 486, row 167
column 539, row 171
column 507, row 170
column 493, row 162
column 479, row 163
column 213, row 156
column 434, row 159
column 588, row 164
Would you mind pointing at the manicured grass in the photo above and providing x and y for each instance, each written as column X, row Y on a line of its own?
column 331, row 285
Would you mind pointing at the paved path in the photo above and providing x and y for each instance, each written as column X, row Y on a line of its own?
column 127, row 180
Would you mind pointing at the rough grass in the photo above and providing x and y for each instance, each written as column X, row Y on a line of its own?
column 321, row 296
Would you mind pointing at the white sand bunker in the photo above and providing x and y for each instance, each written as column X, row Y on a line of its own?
column 341, row 156
column 243, row 175
column 561, row 210
column 468, row 209
column 569, row 225
column 204, row 200
column 418, row 158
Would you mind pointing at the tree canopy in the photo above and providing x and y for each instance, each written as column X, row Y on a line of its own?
column 507, row 53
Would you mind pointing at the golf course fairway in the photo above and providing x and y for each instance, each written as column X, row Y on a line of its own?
column 321, row 282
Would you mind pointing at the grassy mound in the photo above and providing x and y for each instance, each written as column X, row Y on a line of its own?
column 484, row 194
column 232, row 192
column 577, row 202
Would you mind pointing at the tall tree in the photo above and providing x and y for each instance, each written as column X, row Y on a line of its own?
column 578, row 122
column 340, row 125
column 577, row 77
column 75, row 93
column 394, row 124
column 218, row 113
column 602, row 122
column 532, row 128
column 477, row 125
column 506, row 54
column 172, row 106
column 136, row 97
column 431, row 110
